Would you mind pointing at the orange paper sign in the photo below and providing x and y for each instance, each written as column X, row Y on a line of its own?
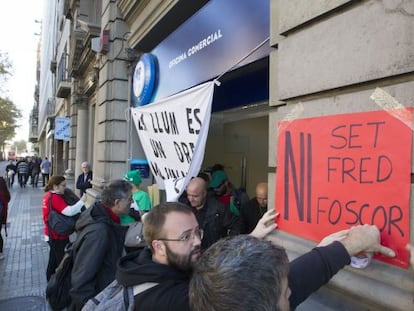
column 345, row 170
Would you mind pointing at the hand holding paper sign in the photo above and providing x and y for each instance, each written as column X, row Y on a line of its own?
column 346, row 170
column 265, row 225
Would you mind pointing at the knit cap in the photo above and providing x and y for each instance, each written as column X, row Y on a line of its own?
column 133, row 177
column 218, row 178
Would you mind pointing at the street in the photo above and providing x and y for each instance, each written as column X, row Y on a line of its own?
column 22, row 271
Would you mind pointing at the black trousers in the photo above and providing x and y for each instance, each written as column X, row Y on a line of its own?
column 22, row 179
column 45, row 178
column 56, row 253
column 35, row 179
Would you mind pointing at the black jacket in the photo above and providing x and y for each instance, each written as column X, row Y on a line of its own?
column 11, row 167
column 306, row 275
column 312, row 270
column 171, row 294
column 98, row 246
column 83, row 184
column 250, row 214
column 216, row 221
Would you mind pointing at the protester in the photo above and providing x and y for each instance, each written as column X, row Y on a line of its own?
column 253, row 210
column 99, row 242
column 84, row 179
column 233, row 198
column 174, row 239
column 4, row 203
column 141, row 198
column 237, row 273
column 214, row 218
column 206, row 177
column 53, row 198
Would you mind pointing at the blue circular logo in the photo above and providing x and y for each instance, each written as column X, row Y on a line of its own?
column 143, row 82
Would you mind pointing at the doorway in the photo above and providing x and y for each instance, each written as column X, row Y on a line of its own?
column 239, row 140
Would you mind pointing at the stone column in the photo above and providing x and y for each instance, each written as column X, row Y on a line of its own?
column 111, row 132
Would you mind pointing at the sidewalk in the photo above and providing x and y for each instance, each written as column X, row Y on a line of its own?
column 22, row 272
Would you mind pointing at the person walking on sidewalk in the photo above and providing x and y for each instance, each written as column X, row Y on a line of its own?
column 35, row 171
column 11, row 170
column 45, row 169
column 53, row 196
column 4, row 203
column 23, row 172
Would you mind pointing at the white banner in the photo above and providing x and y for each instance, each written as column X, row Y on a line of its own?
column 173, row 134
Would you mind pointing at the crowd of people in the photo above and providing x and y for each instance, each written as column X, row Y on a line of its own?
column 28, row 170
column 205, row 252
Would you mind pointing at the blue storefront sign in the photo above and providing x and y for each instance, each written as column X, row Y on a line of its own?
column 141, row 165
column 143, row 81
column 209, row 43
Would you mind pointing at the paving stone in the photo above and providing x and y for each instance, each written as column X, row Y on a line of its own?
column 23, row 270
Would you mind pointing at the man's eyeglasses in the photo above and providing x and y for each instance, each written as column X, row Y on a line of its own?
column 186, row 236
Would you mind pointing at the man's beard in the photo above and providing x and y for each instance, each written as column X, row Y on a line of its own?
column 181, row 262
column 221, row 191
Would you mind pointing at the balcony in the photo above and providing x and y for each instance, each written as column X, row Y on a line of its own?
column 33, row 135
column 63, row 80
column 63, row 89
column 33, row 130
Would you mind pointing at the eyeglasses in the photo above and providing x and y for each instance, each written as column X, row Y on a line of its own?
column 186, row 236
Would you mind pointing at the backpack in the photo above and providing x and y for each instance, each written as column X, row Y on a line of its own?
column 62, row 224
column 57, row 289
column 116, row 297
column 135, row 235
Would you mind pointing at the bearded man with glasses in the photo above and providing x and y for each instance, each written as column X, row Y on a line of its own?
column 174, row 239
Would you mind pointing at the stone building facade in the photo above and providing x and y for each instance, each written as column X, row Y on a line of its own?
column 331, row 57
column 326, row 58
